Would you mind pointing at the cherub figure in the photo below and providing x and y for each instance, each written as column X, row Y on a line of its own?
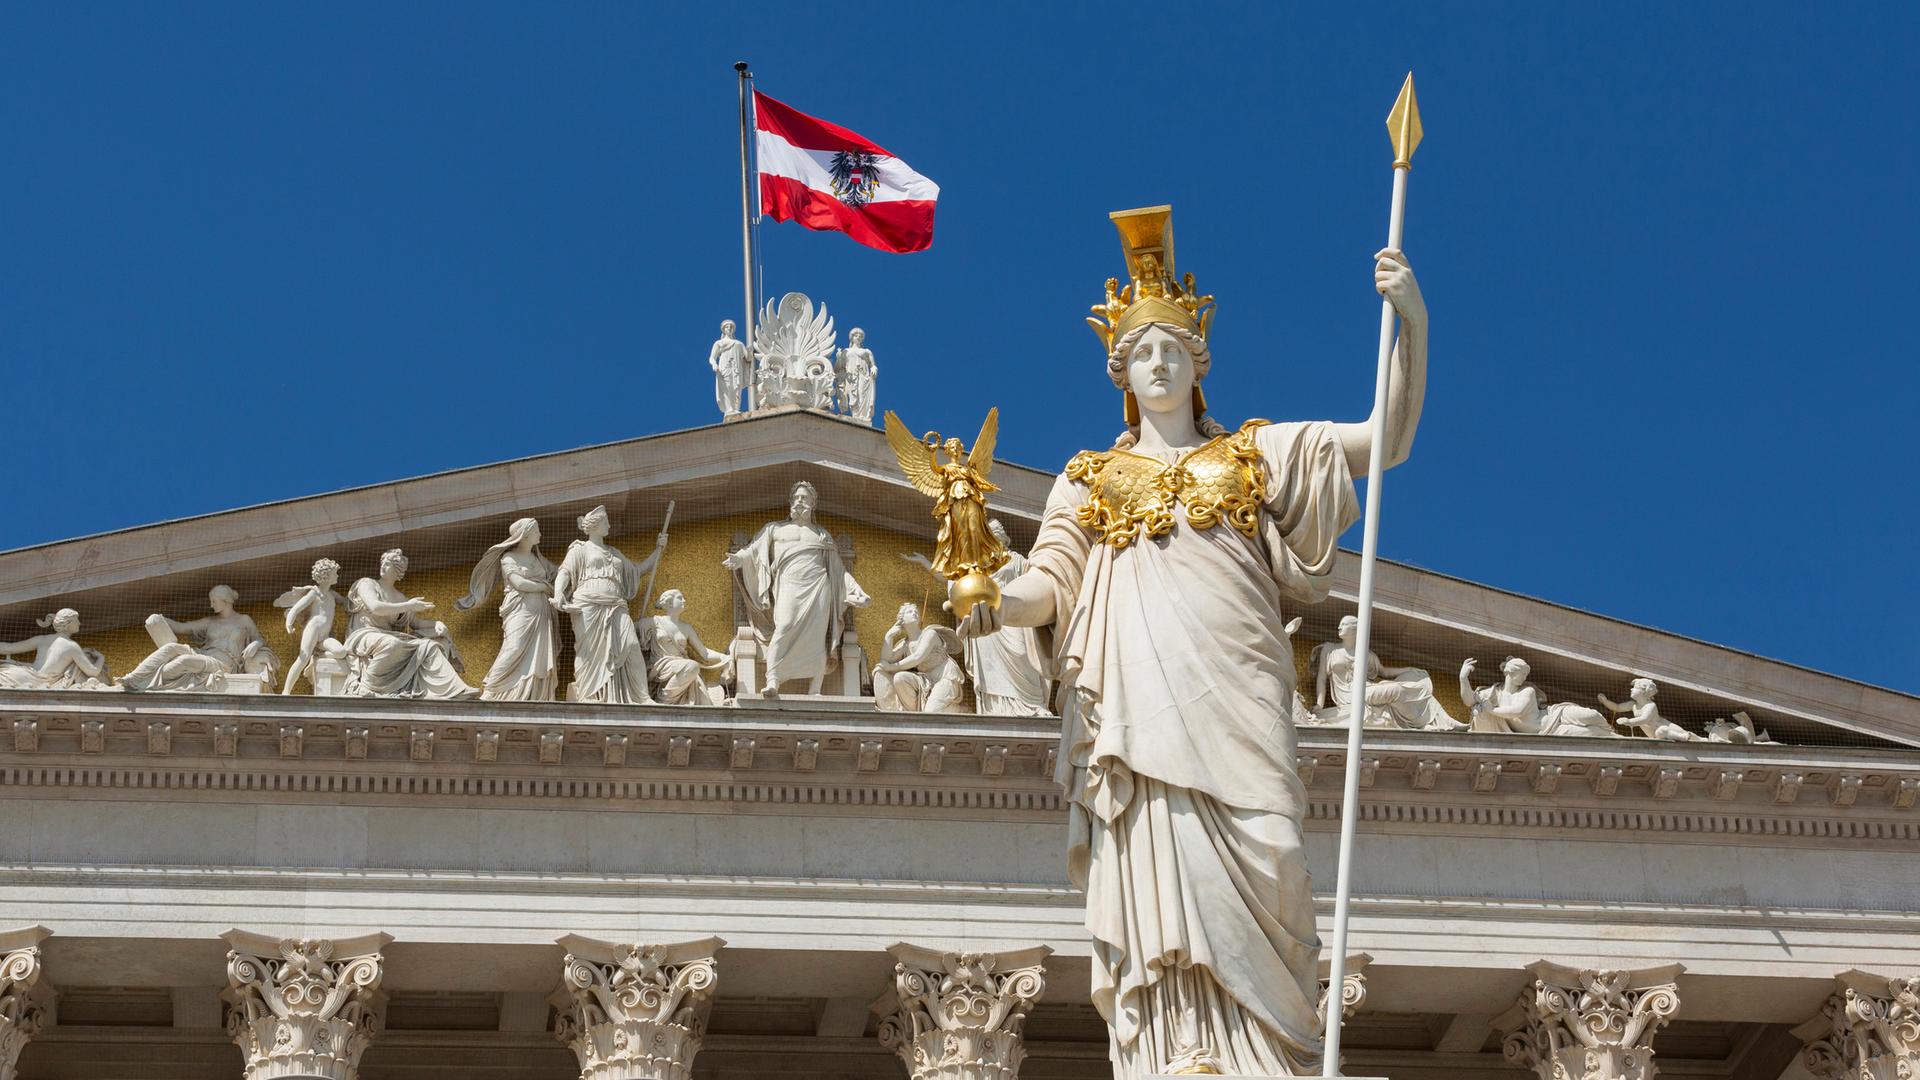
column 312, row 608
column 1644, row 716
column 959, row 488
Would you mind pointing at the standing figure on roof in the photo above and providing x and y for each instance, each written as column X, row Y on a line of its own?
column 310, row 613
column 525, row 669
column 1166, row 567
column 857, row 376
column 732, row 369
column 595, row 584
column 797, row 591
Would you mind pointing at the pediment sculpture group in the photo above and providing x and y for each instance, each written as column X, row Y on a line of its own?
column 796, row 589
column 792, row 360
column 798, row 595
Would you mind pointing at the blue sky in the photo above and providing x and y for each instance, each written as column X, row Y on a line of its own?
column 252, row 252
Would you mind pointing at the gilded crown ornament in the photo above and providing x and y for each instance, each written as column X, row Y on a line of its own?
column 1154, row 294
column 966, row 552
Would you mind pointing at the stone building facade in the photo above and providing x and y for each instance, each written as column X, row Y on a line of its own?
column 223, row 885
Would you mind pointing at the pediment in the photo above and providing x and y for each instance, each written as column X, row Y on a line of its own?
column 726, row 478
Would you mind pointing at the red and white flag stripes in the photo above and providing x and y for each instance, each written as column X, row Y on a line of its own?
column 831, row 179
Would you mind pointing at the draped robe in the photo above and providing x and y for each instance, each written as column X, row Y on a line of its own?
column 1185, row 824
column 526, row 668
column 609, row 665
column 391, row 656
column 1009, row 666
column 797, row 592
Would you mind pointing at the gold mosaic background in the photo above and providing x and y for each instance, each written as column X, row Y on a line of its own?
column 692, row 564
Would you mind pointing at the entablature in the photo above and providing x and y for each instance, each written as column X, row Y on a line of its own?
column 849, row 760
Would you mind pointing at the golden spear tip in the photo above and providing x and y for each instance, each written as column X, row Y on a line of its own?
column 1403, row 125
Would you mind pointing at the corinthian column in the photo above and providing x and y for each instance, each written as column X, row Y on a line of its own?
column 635, row 1012
column 1590, row 1025
column 958, row 1016
column 1869, row 1030
column 20, row 1011
column 303, row 1009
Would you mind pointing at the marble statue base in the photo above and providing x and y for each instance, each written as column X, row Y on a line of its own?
column 247, row 684
column 841, row 684
column 329, row 677
column 805, row 702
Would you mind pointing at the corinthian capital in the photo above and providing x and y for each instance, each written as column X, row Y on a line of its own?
column 1353, row 985
column 21, row 1013
column 1590, row 1025
column 306, row 1008
column 1868, row 1030
column 635, row 1012
column 959, row 1016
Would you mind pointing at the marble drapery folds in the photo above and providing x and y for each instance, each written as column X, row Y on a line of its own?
column 390, row 654
column 1009, row 667
column 609, row 664
column 798, row 590
column 1185, row 830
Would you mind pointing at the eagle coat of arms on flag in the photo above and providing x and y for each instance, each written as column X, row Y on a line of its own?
column 856, row 176
column 826, row 177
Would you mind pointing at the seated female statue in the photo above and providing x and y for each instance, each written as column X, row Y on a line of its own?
column 59, row 663
column 391, row 650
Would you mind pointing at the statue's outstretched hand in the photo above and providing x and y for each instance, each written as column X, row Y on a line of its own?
column 1393, row 278
column 979, row 622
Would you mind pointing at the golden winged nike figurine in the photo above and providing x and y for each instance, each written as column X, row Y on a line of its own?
column 965, row 552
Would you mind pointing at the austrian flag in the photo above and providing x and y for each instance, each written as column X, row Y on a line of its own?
column 828, row 178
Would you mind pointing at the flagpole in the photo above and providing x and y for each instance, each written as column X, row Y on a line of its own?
column 1403, row 125
column 746, row 218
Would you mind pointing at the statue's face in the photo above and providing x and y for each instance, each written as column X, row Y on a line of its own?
column 726, row 328
column 673, row 602
column 801, row 505
column 1349, row 629
column 1517, row 670
column 857, row 338
column 395, row 567
column 219, row 602
column 327, row 577
column 998, row 530
column 1160, row 372
column 533, row 534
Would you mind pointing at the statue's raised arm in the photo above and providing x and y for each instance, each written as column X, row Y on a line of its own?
column 1407, row 390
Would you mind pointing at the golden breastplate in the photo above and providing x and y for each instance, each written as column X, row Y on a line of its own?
column 1132, row 495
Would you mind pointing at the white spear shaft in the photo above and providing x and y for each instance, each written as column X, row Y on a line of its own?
column 646, row 598
column 1403, row 124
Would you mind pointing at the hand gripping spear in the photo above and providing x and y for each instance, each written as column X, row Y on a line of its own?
column 1403, row 127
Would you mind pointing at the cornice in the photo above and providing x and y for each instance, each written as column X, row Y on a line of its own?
column 305, row 749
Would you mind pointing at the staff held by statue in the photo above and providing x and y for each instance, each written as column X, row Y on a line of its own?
column 646, row 595
column 1403, row 127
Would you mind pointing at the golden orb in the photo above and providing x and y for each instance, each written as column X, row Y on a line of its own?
column 973, row 588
